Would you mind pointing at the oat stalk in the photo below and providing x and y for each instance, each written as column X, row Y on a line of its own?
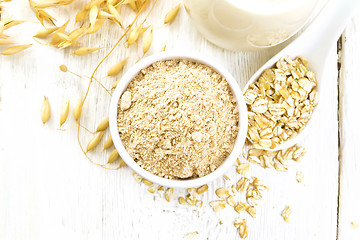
column 98, row 66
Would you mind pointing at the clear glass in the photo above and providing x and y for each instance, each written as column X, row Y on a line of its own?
column 249, row 24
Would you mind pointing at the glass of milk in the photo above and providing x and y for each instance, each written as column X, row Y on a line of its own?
column 249, row 24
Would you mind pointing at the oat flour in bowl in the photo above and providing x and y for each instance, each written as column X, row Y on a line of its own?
column 178, row 119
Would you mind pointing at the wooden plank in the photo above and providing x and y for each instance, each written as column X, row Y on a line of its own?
column 49, row 189
column 349, row 208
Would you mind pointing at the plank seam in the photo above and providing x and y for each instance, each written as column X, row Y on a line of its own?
column 339, row 57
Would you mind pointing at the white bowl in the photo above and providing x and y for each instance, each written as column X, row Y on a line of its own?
column 178, row 183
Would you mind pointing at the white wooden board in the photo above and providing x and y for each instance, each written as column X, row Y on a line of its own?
column 349, row 209
column 49, row 190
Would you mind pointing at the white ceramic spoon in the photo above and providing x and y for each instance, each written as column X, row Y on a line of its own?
column 314, row 44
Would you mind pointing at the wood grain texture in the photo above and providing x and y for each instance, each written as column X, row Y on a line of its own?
column 50, row 190
column 349, row 209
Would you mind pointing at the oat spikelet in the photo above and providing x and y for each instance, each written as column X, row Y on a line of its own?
column 115, row 13
column 147, row 41
column 93, row 15
column 6, row 42
column 81, row 15
column 134, row 34
column 44, row 33
column 45, row 110
column 115, row 84
column 63, row 68
column 15, row 49
column 85, row 51
column 78, row 108
column 170, row 16
column 116, row 69
column 11, row 23
column 75, row 34
column 103, row 125
column 44, row 16
column 98, row 24
column 57, row 38
column 108, row 143
column 62, row 36
column 94, row 141
column 113, row 156
column 41, row 15
column 104, row 15
column 64, row 112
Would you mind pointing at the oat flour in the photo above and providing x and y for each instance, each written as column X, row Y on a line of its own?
column 178, row 119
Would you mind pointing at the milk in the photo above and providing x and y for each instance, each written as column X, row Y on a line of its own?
column 249, row 24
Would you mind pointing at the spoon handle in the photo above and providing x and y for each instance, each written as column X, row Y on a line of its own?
column 325, row 30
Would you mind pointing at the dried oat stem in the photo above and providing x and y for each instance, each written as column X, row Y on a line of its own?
column 80, row 76
column 103, row 165
column 97, row 67
column 67, row 129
